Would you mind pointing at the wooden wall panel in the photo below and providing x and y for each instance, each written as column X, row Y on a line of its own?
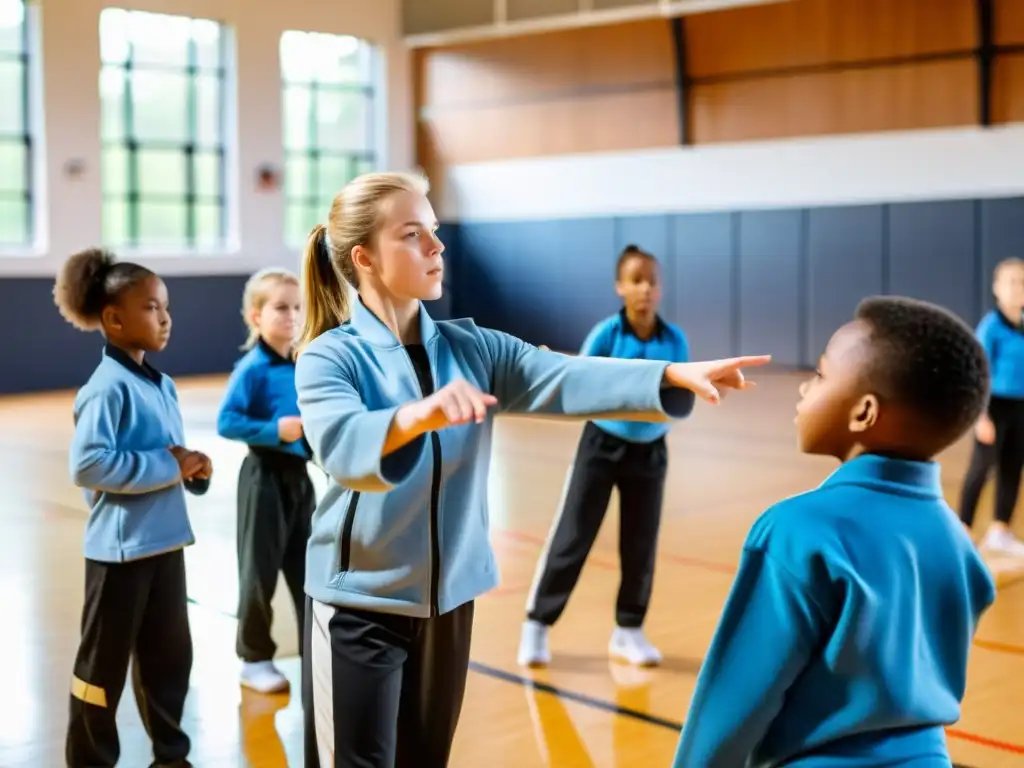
column 788, row 69
column 906, row 97
column 635, row 120
column 813, row 67
column 1008, row 70
column 806, row 33
column 1008, row 89
column 529, row 69
column 1009, row 22
column 585, row 90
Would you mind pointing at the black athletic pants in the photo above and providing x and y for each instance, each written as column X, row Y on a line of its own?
column 134, row 611
column 387, row 689
column 604, row 461
column 275, row 503
column 1006, row 454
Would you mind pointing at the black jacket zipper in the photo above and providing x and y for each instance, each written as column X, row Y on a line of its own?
column 426, row 385
column 435, row 539
column 346, row 532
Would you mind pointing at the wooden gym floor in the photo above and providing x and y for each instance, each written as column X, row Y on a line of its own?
column 728, row 464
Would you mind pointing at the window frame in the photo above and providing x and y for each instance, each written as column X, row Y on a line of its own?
column 128, row 142
column 368, row 158
column 25, row 137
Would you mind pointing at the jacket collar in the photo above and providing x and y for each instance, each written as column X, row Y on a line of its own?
column 145, row 370
column 1008, row 322
column 272, row 355
column 916, row 478
column 370, row 327
column 627, row 327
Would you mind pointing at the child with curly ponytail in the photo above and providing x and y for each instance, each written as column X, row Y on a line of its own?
column 128, row 456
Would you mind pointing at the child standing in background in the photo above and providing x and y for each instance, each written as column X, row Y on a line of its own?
column 631, row 455
column 999, row 433
column 846, row 635
column 127, row 454
column 276, row 498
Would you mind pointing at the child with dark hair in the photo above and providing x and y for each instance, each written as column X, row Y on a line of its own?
column 846, row 635
column 629, row 455
column 999, row 433
column 128, row 455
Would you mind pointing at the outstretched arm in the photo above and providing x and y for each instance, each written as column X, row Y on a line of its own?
column 526, row 379
column 535, row 381
column 765, row 637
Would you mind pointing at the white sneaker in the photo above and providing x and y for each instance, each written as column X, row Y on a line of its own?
column 533, row 645
column 632, row 646
column 1002, row 541
column 263, row 677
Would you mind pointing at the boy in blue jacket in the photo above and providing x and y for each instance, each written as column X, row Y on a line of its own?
column 128, row 455
column 845, row 638
column 275, row 495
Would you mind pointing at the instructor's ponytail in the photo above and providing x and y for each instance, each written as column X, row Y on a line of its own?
column 325, row 297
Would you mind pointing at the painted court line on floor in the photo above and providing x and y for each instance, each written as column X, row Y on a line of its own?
column 597, row 561
column 607, row 706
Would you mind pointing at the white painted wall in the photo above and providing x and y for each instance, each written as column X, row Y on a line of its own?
column 867, row 168
column 70, row 107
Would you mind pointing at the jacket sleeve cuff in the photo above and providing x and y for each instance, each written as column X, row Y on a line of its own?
column 356, row 461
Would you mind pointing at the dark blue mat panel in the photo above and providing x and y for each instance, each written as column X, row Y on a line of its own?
column 778, row 281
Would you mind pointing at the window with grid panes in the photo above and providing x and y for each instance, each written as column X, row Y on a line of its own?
column 162, row 94
column 16, row 173
column 328, row 109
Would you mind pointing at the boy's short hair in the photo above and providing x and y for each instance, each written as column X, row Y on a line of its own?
column 929, row 361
